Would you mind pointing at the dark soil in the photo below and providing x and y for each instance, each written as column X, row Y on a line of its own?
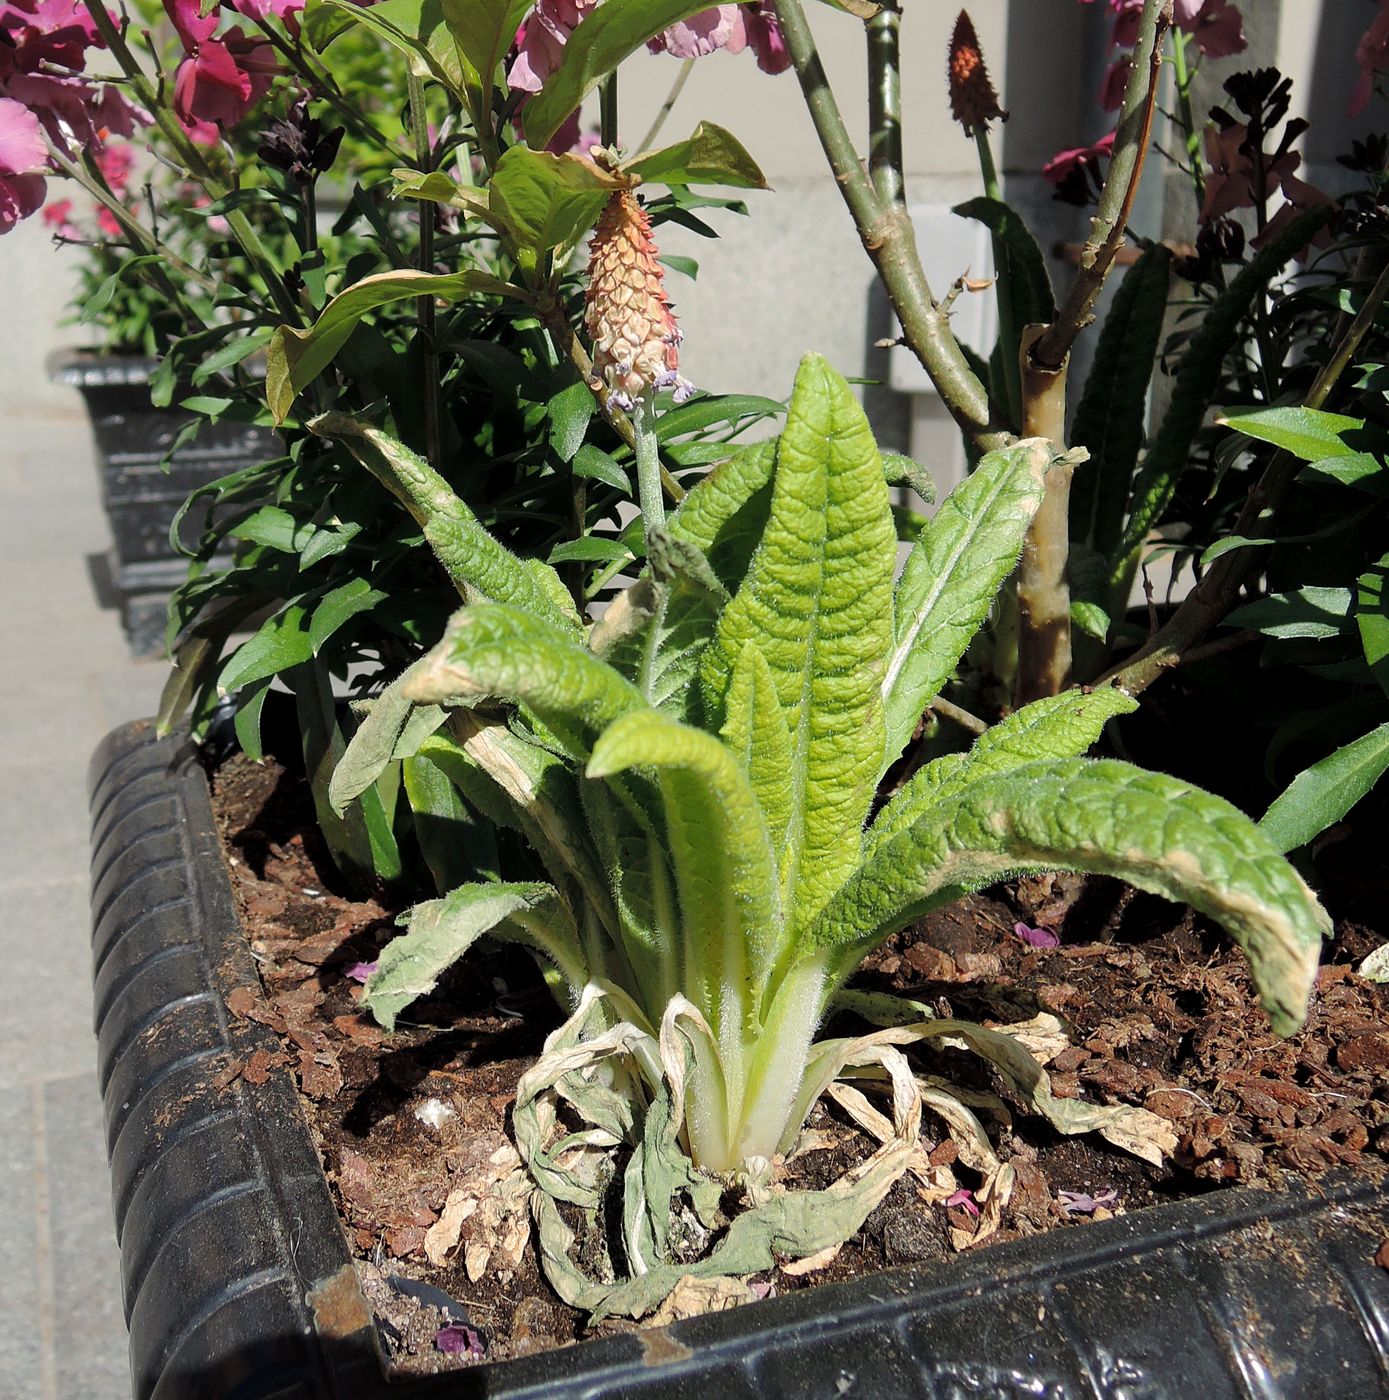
column 1158, row 1005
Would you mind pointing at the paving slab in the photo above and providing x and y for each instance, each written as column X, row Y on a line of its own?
column 90, row 1351
column 21, row 1354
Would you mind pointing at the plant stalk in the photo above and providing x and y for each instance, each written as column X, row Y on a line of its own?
column 1043, row 591
column 885, row 103
column 193, row 159
column 890, row 241
column 1203, row 609
column 424, row 161
column 607, row 118
column 649, row 497
column 676, row 88
column 1120, row 188
column 1003, row 291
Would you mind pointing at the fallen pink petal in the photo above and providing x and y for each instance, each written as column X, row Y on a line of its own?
column 360, row 971
column 1084, row 1203
column 1036, row 937
column 964, row 1200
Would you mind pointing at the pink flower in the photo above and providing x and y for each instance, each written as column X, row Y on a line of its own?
column 1372, row 54
column 1216, row 25
column 1230, row 180
column 541, row 40
column 764, row 35
column 23, row 161
column 964, row 1198
column 719, row 28
column 1064, row 162
column 264, row 9
column 58, row 216
column 219, row 80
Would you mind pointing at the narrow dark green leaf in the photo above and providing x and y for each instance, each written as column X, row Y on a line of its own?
column 1325, row 792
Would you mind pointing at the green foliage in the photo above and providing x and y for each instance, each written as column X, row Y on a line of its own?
column 741, row 882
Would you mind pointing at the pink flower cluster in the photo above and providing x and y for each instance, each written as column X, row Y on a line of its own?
column 45, row 97
column 1372, row 56
column 1232, row 182
column 1216, row 26
column 541, row 39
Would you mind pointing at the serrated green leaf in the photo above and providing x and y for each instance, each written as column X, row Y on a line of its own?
column 711, row 156
column 505, row 652
column 1054, row 727
column 952, row 575
column 1108, row 818
column 480, row 567
column 720, row 853
column 438, row 933
column 815, row 604
column 725, row 513
column 1322, row 794
column 754, row 728
column 1309, row 433
column 295, row 358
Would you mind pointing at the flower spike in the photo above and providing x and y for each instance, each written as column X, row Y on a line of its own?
column 636, row 342
column 973, row 101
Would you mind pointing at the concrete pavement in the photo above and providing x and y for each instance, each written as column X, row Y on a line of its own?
column 65, row 679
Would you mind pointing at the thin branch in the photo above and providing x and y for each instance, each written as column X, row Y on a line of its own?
column 676, row 88
column 888, row 237
column 1120, row 188
column 958, row 715
column 1205, row 607
column 885, row 103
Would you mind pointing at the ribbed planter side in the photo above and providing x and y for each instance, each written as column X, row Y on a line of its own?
column 238, row 1281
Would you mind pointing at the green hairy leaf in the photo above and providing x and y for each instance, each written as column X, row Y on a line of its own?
column 438, row 933
column 812, row 604
column 951, row 577
column 1107, row 818
column 754, row 728
column 482, row 569
column 725, row 514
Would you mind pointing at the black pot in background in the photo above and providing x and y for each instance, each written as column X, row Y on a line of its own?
column 239, row 1285
column 140, row 496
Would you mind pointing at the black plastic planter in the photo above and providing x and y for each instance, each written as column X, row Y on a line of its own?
column 140, row 496
column 238, row 1282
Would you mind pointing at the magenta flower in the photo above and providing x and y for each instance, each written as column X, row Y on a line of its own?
column 1230, row 180
column 1116, row 79
column 265, row 9
column 1216, row 25
column 23, row 161
column 221, row 79
column 1372, row 55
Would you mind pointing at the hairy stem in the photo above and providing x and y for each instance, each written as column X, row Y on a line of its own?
column 890, row 241
column 1206, row 605
column 1044, row 595
column 1120, row 188
column 653, row 507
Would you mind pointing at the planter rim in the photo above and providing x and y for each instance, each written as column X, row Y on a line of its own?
column 84, row 368
column 238, row 1280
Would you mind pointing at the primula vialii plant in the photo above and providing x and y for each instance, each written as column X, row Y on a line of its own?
column 695, row 775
